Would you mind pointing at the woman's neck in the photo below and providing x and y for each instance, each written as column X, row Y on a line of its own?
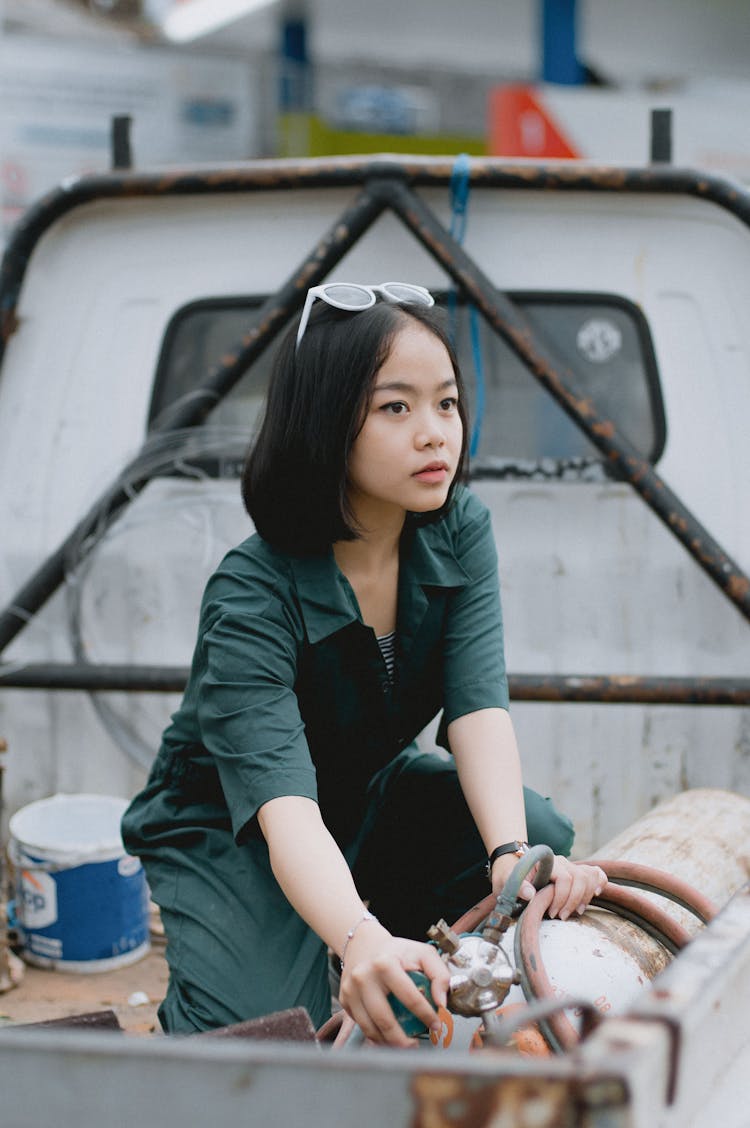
column 380, row 528
column 368, row 555
column 370, row 564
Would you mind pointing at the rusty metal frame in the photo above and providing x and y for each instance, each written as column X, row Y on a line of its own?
column 384, row 184
column 554, row 688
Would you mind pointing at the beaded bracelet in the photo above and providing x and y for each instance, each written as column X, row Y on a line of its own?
column 365, row 916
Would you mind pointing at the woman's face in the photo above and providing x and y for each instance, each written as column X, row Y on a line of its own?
column 407, row 452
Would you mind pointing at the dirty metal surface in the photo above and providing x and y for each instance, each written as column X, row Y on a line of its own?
column 702, row 999
column 650, row 956
column 92, row 1020
column 82, row 1080
column 699, row 1005
column 667, row 835
column 454, row 1101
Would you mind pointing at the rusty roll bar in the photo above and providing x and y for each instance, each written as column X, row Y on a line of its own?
column 271, row 319
column 570, row 688
column 626, row 689
column 512, row 324
column 342, row 172
column 386, row 184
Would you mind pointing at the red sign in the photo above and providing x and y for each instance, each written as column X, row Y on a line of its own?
column 521, row 126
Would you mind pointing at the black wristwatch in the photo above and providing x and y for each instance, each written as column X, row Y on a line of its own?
column 517, row 848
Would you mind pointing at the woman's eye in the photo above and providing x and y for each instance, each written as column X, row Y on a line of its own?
column 396, row 408
column 449, row 404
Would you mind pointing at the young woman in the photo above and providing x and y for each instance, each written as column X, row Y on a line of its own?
column 289, row 809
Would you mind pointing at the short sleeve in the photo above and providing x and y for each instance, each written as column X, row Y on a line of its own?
column 248, row 711
column 474, row 660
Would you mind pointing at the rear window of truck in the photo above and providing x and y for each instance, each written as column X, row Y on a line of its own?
column 519, row 430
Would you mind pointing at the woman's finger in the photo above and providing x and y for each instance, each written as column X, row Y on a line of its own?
column 575, row 885
column 436, row 971
column 562, row 881
column 577, row 893
column 407, row 992
column 375, row 1001
column 368, row 1006
column 366, row 999
column 367, row 984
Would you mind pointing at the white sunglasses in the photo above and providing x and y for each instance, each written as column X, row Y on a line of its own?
column 355, row 297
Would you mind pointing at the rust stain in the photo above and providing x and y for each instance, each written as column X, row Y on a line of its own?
column 678, row 522
column 455, row 1101
column 527, row 173
column 10, row 324
column 527, row 1040
column 584, row 407
column 649, row 956
column 738, row 586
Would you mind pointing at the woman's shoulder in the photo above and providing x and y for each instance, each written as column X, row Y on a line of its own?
column 249, row 577
column 464, row 534
column 466, row 512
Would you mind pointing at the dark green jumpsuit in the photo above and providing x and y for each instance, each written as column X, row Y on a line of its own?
column 289, row 695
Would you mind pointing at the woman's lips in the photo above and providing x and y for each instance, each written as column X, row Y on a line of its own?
column 435, row 472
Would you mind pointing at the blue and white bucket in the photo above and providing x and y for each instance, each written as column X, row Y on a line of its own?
column 82, row 903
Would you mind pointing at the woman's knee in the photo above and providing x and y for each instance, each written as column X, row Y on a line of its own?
column 545, row 824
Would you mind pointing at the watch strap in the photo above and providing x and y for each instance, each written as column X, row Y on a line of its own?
column 516, row 847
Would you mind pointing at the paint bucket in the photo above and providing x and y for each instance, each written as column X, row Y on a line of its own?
column 81, row 901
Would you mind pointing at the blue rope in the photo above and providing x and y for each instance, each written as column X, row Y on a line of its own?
column 460, row 186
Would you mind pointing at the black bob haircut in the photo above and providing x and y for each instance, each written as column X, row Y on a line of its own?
column 294, row 483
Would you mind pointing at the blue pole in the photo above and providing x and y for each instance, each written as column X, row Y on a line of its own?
column 294, row 92
column 559, row 58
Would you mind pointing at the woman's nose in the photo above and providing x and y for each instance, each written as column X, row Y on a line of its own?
column 433, row 435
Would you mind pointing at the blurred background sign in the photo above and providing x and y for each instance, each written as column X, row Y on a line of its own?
column 57, row 102
column 209, row 81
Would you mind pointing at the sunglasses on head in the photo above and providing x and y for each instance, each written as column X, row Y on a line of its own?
column 354, row 297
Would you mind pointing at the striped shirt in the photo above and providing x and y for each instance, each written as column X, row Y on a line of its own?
column 387, row 644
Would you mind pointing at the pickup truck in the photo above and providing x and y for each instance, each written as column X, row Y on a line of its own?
column 600, row 317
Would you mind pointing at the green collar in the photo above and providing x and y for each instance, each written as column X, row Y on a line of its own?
column 328, row 603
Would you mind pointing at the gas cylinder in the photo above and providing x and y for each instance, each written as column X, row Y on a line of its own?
column 701, row 836
column 604, row 958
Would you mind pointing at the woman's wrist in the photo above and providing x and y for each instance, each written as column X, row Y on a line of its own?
column 500, row 871
column 514, row 849
column 365, row 918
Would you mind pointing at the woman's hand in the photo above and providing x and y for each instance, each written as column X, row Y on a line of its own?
column 376, row 964
column 575, row 884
